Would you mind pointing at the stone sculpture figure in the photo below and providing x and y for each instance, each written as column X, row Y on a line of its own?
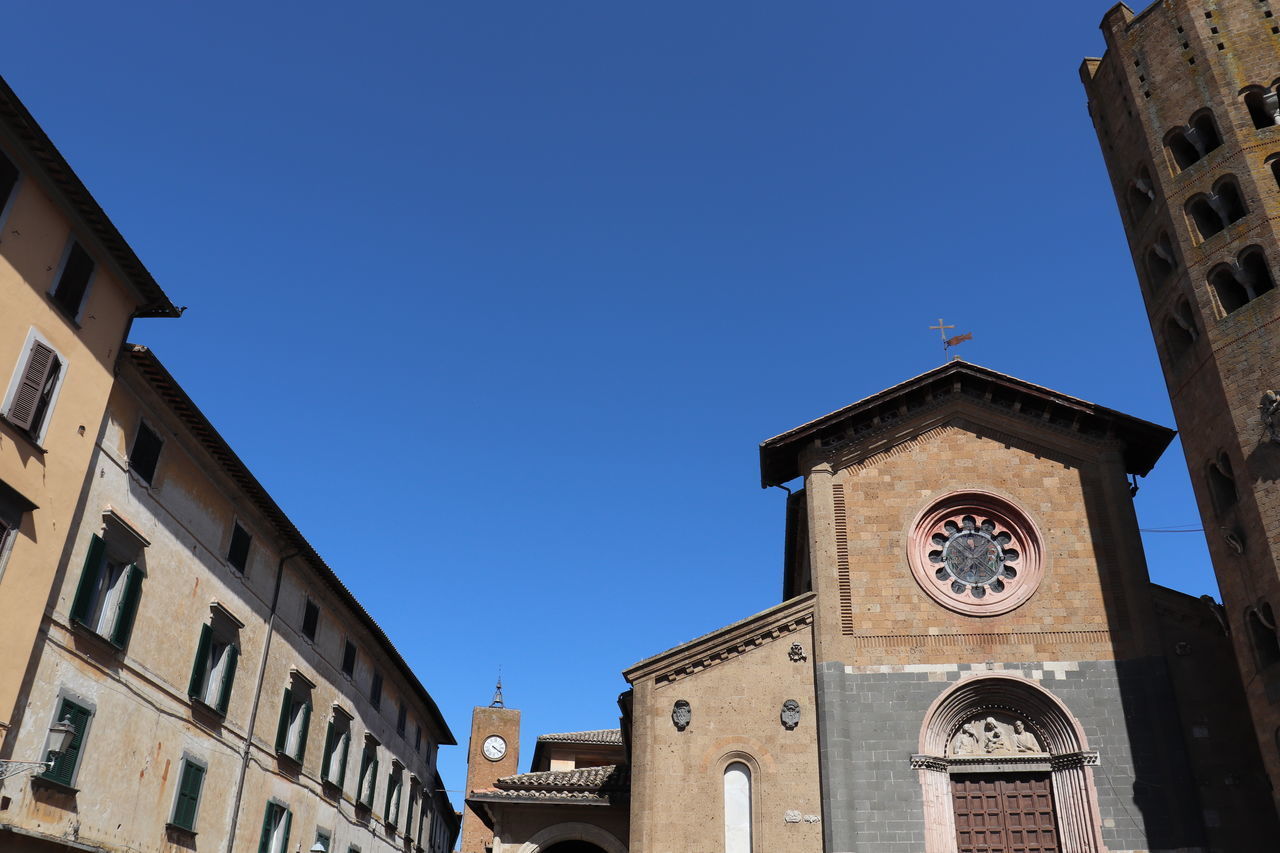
column 1269, row 409
column 1023, row 740
column 994, row 740
column 966, row 742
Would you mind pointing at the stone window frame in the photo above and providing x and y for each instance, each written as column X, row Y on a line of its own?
column 1010, row 515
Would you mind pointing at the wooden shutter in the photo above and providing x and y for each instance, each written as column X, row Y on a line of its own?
column 282, row 730
column 288, row 824
column 228, row 678
column 342, row 764
column 64, row 766
column 128, row 607
column 83, row 602
column 184, row 813
column 386, row 811
column 200, row 669
column 373, row 782
column 41, row 362
column 327, row 759
column 264, row 845
column 302, row 735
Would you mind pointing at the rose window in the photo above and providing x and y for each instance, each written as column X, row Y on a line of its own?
column 976, row 553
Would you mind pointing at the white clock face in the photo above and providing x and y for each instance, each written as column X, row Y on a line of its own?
column 494, row 747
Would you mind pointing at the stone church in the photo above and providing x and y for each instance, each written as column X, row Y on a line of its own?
column 969, row 655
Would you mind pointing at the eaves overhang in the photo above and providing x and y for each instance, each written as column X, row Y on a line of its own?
column 1143, row 442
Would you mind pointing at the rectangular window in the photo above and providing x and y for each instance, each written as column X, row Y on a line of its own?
column 391, row 815
column 337, row 742
column 324, row 839
column 67, row 763
column 295, row 718
column 401, row 717
column 368, row 775
column 275, row 829
column 72, row 285
column 145, row 453
column 8, row 180
column 417, row 737
column 214, row 670
column 190, row 781
column 349, row 659
column 413, row 806
column 238, row 553
column 106, row 599
column 375, row 691
column 310, row 619
column 13, row 506
column 34, row 386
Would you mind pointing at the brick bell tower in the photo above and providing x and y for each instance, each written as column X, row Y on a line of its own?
column 493, row 752
column 1186, row 109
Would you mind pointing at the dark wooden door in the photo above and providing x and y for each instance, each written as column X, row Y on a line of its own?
column 1009, row 813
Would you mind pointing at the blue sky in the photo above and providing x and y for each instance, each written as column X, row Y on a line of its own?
column 498, row 299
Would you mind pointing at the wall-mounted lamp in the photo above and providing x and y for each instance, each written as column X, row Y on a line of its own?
column 55, row 743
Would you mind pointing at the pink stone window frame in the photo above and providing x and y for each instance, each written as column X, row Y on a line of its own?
column 1008, row 517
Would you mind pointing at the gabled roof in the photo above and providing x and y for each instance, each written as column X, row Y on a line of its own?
column 186, row 411
column 592, row 786
column 1143, row 441
column 66, row 186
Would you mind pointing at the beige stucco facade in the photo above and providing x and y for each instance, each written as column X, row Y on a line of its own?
column 40, row 217
column 144, row 723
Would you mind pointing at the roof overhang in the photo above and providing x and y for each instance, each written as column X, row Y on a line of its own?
column 1143, row 442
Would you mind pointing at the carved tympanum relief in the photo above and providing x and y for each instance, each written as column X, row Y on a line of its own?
column 996, row 735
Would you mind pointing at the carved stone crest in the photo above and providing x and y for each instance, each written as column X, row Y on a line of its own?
column 681, row 714
column 790, row 714
column 1269, row 409
column 995, row 735
column 797, row 653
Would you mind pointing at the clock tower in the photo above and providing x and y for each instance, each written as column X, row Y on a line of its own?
column 493, row 752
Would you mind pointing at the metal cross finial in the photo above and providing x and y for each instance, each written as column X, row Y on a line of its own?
column 942, row 329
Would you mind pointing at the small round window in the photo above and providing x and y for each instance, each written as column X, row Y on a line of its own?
column 976, row 553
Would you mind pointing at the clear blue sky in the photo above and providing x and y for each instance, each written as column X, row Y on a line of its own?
column 498, row 299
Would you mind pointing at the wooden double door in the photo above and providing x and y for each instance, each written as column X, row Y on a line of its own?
column 1004, row 813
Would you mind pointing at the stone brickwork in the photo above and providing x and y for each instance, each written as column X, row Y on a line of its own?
column 871, row 727
column 1175, row 62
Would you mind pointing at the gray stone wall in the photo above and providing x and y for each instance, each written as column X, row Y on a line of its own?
column 869, row 726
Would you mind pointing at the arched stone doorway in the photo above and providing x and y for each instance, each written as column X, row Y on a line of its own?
column 1000, row 746
column 573, row 837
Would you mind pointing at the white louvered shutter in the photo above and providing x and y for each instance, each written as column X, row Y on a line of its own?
column 40, row 363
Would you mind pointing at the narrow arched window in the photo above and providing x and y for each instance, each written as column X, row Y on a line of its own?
column 1160, row 261
column 1262, row 631
column 1206, row 220
column 1262, row 107
column 1222, row 484
column 737, row 808
column 1227, row 287
column 1230, row 203
column 1180, row 330
column 1140, row 195
column 1256, row 272
column 1207, row 131
column 1180, row 149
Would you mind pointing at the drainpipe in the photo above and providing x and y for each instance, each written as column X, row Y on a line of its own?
column 257, row 696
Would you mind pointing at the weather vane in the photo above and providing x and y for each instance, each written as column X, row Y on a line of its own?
column 948, row 343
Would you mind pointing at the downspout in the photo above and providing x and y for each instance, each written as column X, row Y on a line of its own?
column 257, row 697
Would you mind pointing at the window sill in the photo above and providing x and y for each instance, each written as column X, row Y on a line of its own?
column 198, row 704
column 88, row 633
column 53, row 785
column 20, row 434
column 180, row 830
column 291, row 760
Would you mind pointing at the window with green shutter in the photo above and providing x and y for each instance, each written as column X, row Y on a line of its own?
column 391, row 814
column 337, row 742
column 66, row 763
column 190, row 781
column 295, row 719
column 368, row 775
column 275, row 828
column 214, row 670
column 106, row 599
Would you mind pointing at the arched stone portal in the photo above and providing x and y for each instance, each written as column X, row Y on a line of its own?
column 1005, row 725
column 573, row 838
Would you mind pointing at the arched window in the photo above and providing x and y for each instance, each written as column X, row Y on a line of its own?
column 1262, row 105
column 737, row 808
column 1222, row 484
column 1140, row 195
column 1180, row 329
column 1228, row 288
column 1206, row 220
column 1206, row 129
column 1160, row 261
column 1262, row 631
column 1275, row 170
column 1257, row 272
column 1230, row 203
column 1180, row 149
